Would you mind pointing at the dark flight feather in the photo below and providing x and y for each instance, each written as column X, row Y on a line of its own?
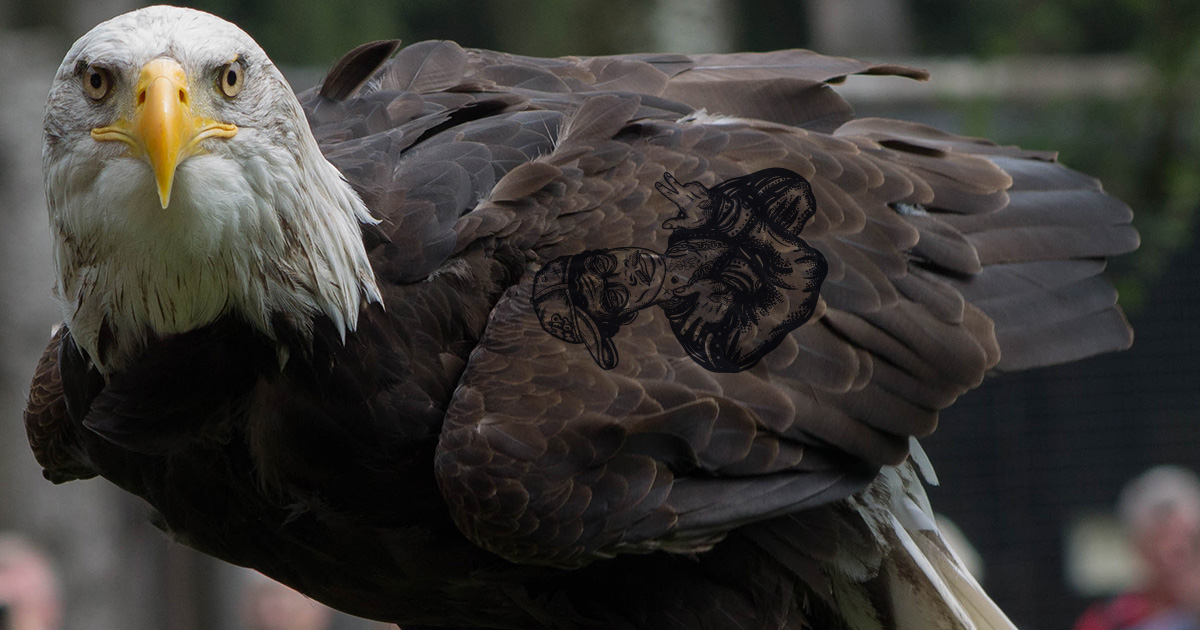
column 48, row 419
column 355, row 67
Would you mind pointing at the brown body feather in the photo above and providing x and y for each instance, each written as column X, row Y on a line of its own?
column 374, row 474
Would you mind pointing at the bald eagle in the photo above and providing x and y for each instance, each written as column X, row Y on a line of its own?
column 473, row 340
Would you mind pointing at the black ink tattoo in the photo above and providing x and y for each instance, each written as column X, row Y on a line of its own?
column 735, row 280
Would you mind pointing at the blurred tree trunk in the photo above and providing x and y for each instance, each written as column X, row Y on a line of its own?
column 106, row 555
column 864, row 28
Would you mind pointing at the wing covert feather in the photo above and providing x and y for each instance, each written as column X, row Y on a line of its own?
column 52, row 435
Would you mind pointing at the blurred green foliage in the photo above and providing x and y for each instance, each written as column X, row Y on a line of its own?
column 295, row 32
column 1002, row 27
column 310, row 32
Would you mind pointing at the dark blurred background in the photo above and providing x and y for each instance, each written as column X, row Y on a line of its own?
column 1030, row 463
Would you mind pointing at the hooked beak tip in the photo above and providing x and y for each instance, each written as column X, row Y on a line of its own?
column 164, row 195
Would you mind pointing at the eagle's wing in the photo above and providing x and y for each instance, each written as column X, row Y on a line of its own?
column 52, row 435
column 947, row 257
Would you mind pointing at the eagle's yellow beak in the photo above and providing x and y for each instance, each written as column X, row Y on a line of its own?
column 164, row 129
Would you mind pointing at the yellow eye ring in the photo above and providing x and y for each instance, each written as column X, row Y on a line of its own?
column 97, row 83
column 231, row 78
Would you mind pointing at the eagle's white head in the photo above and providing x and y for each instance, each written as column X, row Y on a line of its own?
column 184, row 184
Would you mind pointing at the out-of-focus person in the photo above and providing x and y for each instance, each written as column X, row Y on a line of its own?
column 269, row 605
column 29, row 592
column 1160, row 510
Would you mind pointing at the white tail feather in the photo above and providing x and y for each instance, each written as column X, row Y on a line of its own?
column 927, row 584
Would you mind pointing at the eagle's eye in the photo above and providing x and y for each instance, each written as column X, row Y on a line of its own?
column 97, row 82
column 230, row 80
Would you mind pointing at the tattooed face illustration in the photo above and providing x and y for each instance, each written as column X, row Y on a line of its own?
column 735, row 279
column 616, row 282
